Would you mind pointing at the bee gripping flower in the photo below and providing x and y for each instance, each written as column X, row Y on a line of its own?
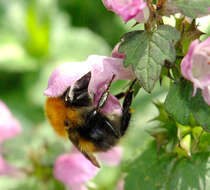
column 128, row 9
column 102, row 69
column 196, row 67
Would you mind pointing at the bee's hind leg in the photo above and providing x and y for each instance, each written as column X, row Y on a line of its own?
column 126, row 111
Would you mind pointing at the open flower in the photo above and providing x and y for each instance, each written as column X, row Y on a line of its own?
column 9, row 127
column 196, row 67
column 74, row 170
column 102, row 69
column 128, row 9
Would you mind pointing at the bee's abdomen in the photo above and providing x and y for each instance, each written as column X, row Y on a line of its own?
column 98, row 132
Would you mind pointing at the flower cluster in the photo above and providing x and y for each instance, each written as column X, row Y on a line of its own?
column 9, row 128
column 196, row 67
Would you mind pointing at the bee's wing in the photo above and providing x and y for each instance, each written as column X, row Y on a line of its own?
column 88, row 155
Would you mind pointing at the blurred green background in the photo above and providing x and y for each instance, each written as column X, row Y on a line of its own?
column 36, row 36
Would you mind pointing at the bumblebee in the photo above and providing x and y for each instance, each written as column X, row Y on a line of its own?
column 75, row 116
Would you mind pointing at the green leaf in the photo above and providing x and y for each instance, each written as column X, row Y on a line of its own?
column 192, row 8
column 191, row 174
column 142, row 172
column 38, row 31
column 146, row 52
column 152, row 172
column 201, row 111
column 176, row 103
column 180, row 104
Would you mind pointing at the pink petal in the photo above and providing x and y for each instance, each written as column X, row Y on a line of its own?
column 7, row 169
column 112, row 157
column 203, row 44
column 195, row 66
column 186, row 64
column 143, row 16
column 116, row 54
column 64, row 76
column 72, row 169
column 103, row 69
column 112, row 105
column 206, row 95
column 9, row 126
column 127, row 9
column 194, row 91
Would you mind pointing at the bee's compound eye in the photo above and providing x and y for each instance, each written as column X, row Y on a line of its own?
column 67, row 123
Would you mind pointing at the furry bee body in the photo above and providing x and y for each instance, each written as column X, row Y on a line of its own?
column 74, row 115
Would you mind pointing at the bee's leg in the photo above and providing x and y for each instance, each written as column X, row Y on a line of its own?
column 126, row 111
column 102, row 101
column 105, row 95
column 120, row 95
column 123, row 94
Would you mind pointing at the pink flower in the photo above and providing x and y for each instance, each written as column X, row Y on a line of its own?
column 196, row 67
column 102, row 69
column 7, row 169
column 74, row 170
column 115, row 52
column 128, row 9
column 112, row 157
column 9, row 126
